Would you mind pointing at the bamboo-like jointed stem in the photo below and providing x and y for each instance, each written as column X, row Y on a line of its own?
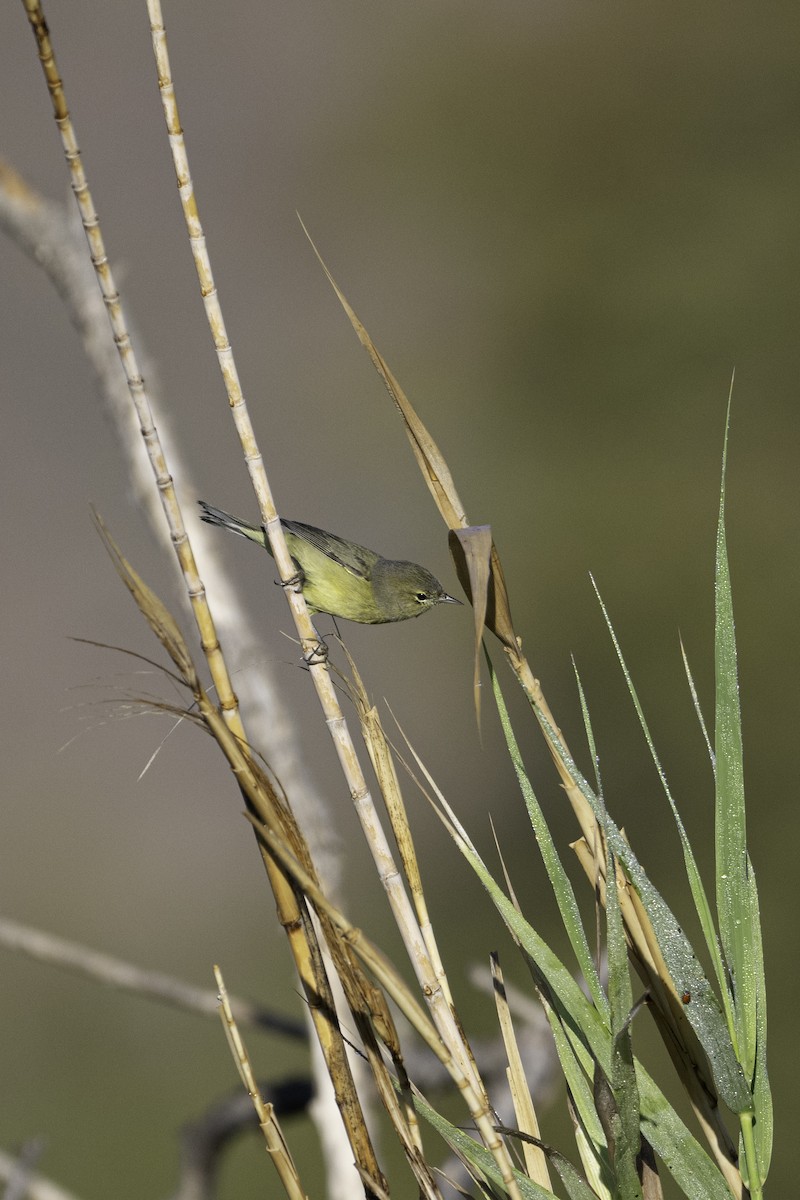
column 136, row 382
column 337, row 726
column 293, row 917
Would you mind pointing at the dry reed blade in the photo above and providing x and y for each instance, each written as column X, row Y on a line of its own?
column 436, row 474
column 527, row 1122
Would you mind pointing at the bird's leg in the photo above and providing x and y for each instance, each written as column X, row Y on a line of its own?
column 295, row 584
column 314, row 653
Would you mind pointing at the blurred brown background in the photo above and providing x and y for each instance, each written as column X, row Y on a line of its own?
column 564, row 224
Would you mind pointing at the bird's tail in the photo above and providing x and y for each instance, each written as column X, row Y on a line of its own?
column 217, row 516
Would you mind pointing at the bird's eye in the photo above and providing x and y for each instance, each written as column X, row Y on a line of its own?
column 422, row 597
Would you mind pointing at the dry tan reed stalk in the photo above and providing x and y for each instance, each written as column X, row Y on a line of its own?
column 295, row 920
column 275, row 827
column 122, row 339
column 380, row 754
column 309, row 641
column 254, row 462
column 277, row 1146
column 305, row 950
column 265, row 803
column 319, row 671
column 436, row 985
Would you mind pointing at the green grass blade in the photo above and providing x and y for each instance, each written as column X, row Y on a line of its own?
column 587, row 725
column 622, row 1122
column 684, row 1157
column 574, row 1008
column 737, row 893
column 562, row 888
column 621, row 1094
column 697, row 708
column 699, row 895
column 575, row 1185
column 762, row 1096
column 734, row 889
column 577, row 1070
column 704, row 1012
column 477, row 1155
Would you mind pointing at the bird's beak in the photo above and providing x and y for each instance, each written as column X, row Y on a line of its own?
column 445, row 599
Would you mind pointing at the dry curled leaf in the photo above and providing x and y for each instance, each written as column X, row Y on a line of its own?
column 157, row 615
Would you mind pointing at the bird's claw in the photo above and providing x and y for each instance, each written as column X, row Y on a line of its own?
column 316, row 654
column 294, row 582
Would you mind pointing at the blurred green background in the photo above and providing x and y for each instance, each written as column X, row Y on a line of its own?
column 564, row 225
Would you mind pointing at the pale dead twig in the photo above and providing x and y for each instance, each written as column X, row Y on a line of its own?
column 19, row 1181
column 116, row 973
column 38, row 1186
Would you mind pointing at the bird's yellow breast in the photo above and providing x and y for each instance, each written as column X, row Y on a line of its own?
column 329, row 587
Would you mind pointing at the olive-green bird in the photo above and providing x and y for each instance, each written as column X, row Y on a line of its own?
column 344, row 579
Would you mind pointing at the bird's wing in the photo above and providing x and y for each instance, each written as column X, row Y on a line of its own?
column 358, row 560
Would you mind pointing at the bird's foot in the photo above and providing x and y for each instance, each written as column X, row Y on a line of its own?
column 294, row 583
column 315, row 653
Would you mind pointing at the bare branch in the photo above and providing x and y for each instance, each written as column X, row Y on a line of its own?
column 38, row 1187
column 115, row 972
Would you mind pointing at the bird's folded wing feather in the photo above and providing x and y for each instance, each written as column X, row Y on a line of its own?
column 358, row 560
